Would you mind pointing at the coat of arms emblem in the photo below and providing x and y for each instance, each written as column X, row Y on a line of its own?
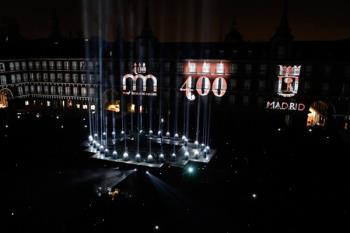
column 288, row 80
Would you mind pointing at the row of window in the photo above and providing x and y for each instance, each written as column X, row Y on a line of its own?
column 63, row 103
column 48, row 77
column 47, row 65
column 56, row 90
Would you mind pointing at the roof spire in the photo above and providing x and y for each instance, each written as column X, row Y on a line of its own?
column 146, row 30
column 283, row 31
column 234, row 35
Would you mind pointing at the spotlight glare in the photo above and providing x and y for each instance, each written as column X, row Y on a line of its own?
column 176, row 135
column 150, row 131
column 125, row 155
column 190, row 169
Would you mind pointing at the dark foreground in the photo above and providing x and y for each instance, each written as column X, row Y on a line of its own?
column 259, row 181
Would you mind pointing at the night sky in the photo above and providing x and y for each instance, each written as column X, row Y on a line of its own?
column 186, row 20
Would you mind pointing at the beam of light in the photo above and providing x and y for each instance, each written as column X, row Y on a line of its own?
column 168, row 194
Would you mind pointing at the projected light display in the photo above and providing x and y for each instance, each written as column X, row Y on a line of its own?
column 203, row 77
column 145, row 125
column 138, row 73
column 288, row 83
column 288, row 80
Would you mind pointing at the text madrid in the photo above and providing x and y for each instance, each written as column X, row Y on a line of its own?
column 285, row 106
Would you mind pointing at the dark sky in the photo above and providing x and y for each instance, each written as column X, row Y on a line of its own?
column 185, row 20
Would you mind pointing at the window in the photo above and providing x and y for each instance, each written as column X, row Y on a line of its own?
column 67, row 78
column 91, row 65
column 91, row 91
column 52, row 65
column 325, row 87
column 12, row 66
column 30, row 65
column 306, row 87
column 59, row 65
column 85, row 106
column 67, row 90
column 60, row 90
column 37, row 65
column 328, row 70
column 233, row 68
column 245, row 100
column 19, row 78
column 32, row 89
column 26, row 90
column 345, row 89
column 75, row 91
column 3, row 79
column 60, row 77
column 31, row 76
column 167, row 67
column 82, row 65
column 2, row 67
column 83, row 78
column 233, row 83
column 74, row 65
column 308, row 70
column 53, row 90
column 48, row 103
column 220, row 68
column 263, row 69
column 25, row 77
column 46, row 90
column 205, row 68
column 247, row 84
column 83, row 91
column 260, row 100
column 191, row 67
column 44, row 65
column 180, row 68
column 13, row 78
column 17, row 66
column 39, row 89
column 262, row 85
column 91, row 78
column 24, row 65
column 75, row 78
column 38, row 77
column 52, row 77
column 45, row 77
column 66, row 65
column 248, row 68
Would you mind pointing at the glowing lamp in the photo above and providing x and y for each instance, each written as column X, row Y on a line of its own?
column 125, row 155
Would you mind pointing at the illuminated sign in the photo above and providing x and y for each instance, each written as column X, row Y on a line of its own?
column 293, row 106
column 288, row 80
column 205, row 76
column 139, row 72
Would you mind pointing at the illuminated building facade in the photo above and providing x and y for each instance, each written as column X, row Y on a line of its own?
column 176, row 91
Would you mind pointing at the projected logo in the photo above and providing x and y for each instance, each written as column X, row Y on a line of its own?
column 139, row 83
column 205, row 76
column 288, row 80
